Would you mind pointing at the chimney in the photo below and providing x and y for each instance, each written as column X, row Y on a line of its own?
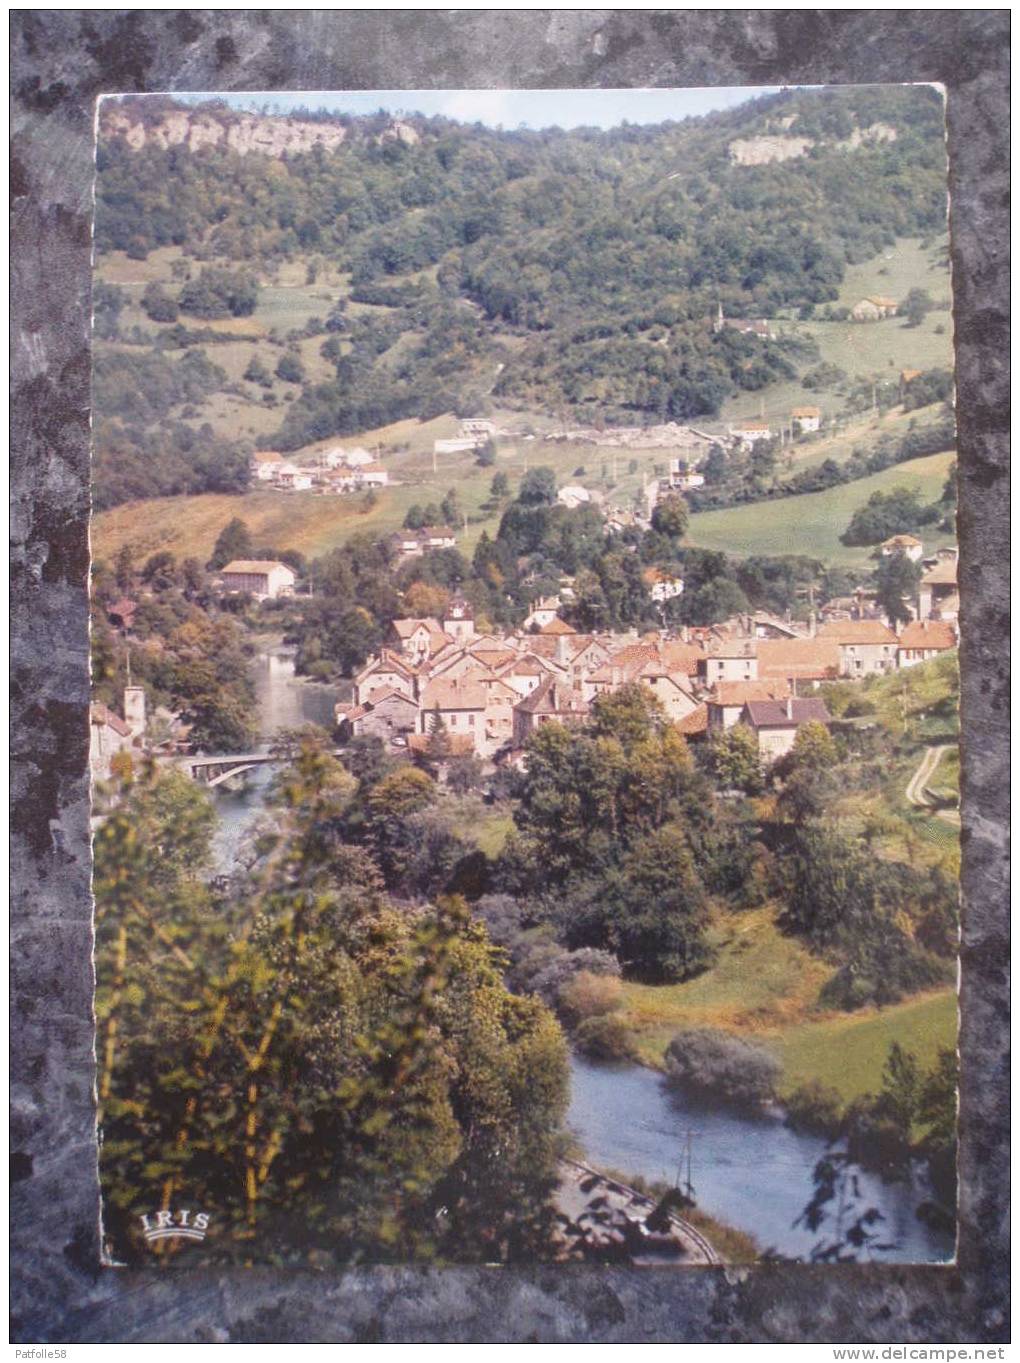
column 789, row 707
column 617, row 677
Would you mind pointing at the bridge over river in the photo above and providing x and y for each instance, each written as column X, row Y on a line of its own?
column 220, row 768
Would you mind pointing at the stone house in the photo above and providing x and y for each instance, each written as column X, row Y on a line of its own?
column 543, row 610
column 108, row 735
column 798, row 660
column 683, row 476
column 747, row 432
column 908, row 546
column 387, row 672
column 372, row 475
column 924, row 639
column 866, row 647
column 553, row 702
column 387, row 715
column 937, row 594
column 806, row 419
column 726, row 700
column 418, row 638
column 874, row 308
column 731, row 660
column 460, row 704
column 775, row 722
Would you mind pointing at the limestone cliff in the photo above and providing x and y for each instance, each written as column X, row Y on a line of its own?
column 271, row 135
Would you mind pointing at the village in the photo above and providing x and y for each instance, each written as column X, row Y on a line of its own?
column 489, row 692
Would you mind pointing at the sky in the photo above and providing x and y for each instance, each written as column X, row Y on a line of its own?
column 512, row 108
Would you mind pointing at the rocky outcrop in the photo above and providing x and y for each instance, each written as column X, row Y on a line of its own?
column 240, row 132
column 758, row 151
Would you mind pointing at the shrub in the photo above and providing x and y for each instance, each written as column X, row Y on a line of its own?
column 724, row 1067
column 604, row 1038
column 290, row 369
column 814, row 1107
column 588, row 996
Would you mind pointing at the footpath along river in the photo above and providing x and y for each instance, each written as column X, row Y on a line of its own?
column 752, row 1174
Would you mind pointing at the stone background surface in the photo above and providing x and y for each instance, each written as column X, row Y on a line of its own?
column 61, row 61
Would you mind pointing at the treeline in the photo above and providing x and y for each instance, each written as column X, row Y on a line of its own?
column 622, row 845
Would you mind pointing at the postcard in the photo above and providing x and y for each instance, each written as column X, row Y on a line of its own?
column 524, row 733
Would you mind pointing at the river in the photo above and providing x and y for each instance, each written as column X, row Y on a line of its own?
column 754, row 1175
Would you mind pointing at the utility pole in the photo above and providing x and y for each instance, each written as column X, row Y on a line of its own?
column 687, row 1186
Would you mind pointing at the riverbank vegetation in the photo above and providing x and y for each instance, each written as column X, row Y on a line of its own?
column 795, row 888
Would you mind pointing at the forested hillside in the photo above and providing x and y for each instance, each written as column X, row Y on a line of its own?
column 448, row 266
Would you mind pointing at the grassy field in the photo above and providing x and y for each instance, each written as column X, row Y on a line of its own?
column 314, row 524
column 765, row 985
column 868, row 350
column 812, row 524
column 761, row 979
column 849, row 1051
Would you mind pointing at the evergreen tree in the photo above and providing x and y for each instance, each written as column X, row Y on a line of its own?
column 234, row 541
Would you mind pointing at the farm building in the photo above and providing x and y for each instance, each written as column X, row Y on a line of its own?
column 265, row 579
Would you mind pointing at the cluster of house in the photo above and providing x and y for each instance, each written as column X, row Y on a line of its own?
column 338, row 471
column 801, row 421
column 160, row 733
column 871, row 309
column 487, row 693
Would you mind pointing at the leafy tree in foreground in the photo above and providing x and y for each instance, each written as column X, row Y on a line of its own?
column 337, row 1080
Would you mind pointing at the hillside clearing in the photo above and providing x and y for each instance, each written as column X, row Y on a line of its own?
column 812, row 523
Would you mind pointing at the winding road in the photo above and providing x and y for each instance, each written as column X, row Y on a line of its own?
column 915, row 791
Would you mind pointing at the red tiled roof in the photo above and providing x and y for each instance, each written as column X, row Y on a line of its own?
column 376, row 698
column 553, row 697
column 740, row 692
column 805, row 659
column 943, row 574
column 557, row 626
column 694, row 723
column 453, row 694
column 255, row 565
column 681, row 657
column 99, row 714
column 928, row 634
column 857, row 632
